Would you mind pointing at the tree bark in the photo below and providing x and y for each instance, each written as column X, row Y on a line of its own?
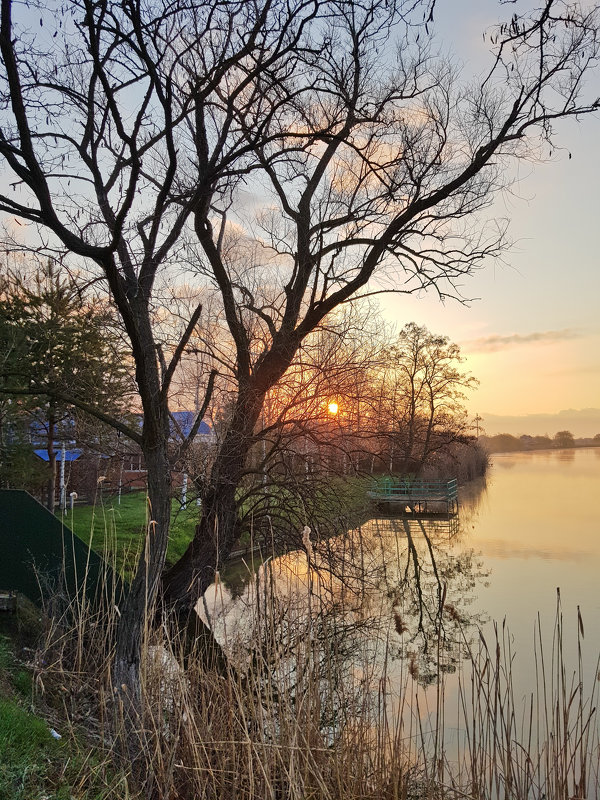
column 219, row 527
column 216, row 533
column 138, row 605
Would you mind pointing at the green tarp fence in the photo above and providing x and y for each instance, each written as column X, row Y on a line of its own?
column 38, row 554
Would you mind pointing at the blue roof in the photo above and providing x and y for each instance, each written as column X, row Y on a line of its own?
column 39, row 433
column 185, row 420
column 70, row 455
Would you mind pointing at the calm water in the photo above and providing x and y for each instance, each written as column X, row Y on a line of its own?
column 537, row 528
column 373, row 597
column 532, row 527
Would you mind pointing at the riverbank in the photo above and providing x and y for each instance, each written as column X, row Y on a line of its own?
column 44, row 751
column 302, row 715
column 331, row 694
column 507, row 443
column 115, row 527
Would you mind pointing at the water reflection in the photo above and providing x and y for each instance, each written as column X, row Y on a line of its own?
column 532, row 528
column 566, row 456
column 381, row 612
column 392, row 589
column 431, row 587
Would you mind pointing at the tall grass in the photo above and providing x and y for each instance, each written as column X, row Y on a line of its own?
column 544, row 744
column 308, row 707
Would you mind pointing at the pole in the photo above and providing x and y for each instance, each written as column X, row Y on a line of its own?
column 63, row 493
column 184, row 491
column 120, row 481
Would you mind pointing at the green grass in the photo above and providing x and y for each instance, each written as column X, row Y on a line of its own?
column 26, row 752
column 34, row 764
column 117, row 531
column 26, row 745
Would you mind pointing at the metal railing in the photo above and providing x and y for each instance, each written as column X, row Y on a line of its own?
column 415, row 489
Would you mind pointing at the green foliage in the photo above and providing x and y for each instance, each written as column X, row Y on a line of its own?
column 21, row 468
column 58, row 340
column 23, row 682
column 59, row 349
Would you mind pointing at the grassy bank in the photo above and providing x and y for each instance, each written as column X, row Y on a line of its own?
column 116, row 530
column 43, row 754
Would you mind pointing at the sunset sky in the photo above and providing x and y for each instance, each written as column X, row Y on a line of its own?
column 533, row 336
column 531, row 331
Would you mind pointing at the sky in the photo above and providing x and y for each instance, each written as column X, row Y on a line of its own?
column 531, row 333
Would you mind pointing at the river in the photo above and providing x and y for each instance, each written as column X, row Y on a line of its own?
column 537, row 528
column 513, row 581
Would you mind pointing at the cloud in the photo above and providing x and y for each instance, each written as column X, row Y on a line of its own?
column 491, row 344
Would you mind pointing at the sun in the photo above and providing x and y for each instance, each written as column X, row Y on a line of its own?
column 333, row 408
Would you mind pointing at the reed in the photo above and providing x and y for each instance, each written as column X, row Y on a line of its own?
column 313, row 705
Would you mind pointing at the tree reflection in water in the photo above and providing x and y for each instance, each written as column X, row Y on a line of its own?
column 393, row 589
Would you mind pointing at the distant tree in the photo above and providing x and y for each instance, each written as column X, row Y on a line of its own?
column 535, row 442
column 564, row 439
column 541, row 442
column 502, row 443
column 426, row 390
column 60, row 347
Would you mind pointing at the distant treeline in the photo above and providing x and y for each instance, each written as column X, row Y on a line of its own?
column 506, row 442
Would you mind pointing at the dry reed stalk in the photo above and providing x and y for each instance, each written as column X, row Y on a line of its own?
column 305, row 713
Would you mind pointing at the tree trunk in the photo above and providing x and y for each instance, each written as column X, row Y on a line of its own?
column 146, row 580
column 141, row 597
column 137, row 616
column 216, row 533
column 219, row 527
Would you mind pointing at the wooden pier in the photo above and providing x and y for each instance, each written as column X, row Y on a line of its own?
column 417, row 498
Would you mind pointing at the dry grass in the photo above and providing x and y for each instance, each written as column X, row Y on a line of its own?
column 311, row 709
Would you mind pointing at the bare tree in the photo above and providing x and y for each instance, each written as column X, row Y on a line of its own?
column 425, row 394
column 137, row 135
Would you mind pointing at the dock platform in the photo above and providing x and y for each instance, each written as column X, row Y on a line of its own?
column 417, row 498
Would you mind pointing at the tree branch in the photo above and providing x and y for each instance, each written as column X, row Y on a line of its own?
column 76, row 402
